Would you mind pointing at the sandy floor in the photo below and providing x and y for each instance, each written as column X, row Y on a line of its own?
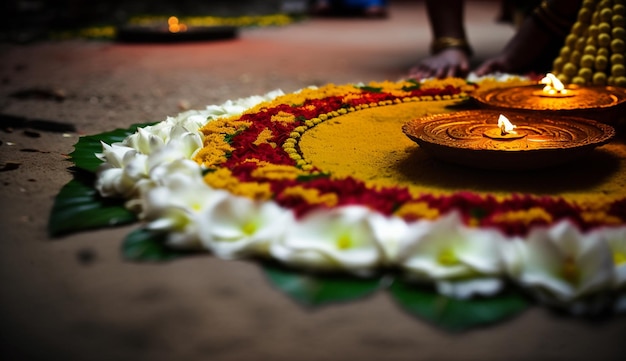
column 75, row 298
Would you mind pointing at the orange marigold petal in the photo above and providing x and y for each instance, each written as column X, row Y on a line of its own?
column 417, row 210
column 526, row 216
column 312, row 196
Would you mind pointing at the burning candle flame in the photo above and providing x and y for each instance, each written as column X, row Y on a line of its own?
column 506, row 127
column 553, row 85
column 174, row 26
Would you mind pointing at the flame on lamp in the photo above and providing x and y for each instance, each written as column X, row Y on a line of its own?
column 174, row 26
column 553, row 85
column 506, row 127
column 504, row 131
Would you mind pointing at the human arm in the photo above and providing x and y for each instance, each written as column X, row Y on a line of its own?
column 534, row 38
column 450, row 50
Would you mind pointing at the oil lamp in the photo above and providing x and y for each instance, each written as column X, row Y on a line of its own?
column 554, row 88
column 519, row 141
column 175, row 26
column 504, row 130
column 173, row 30
column 601, row 103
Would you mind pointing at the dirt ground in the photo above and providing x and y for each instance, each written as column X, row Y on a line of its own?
column 75, row 298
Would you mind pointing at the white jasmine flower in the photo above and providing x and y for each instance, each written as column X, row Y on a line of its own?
column 114, row 154
column 145, row 141
column 561, row 264
column 111, row 183
column 450, row 253
column 177, row 207
column 162, row 173
column 191, row 120
column 180, row 134
column 332, row 239
column 451, row 250
column 113, row 179
column 497, row 76
column 392, row 233
column 236, row 107
column 122, row 176
column 125, row 169
column 174, row 150
column 150, row 139
column 236, row 226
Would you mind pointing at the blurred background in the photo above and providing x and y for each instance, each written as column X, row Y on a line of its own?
column 30, row 20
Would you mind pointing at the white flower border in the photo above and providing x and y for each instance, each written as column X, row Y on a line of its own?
column 153, row 170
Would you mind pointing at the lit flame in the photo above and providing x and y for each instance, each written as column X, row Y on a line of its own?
column 506, row 127
column 174, row 26
column 553, row 85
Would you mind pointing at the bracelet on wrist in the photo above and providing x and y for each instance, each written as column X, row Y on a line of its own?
column 442, row 43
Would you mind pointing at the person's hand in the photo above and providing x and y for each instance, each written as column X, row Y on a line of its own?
column 494, row 65
column 448, row 63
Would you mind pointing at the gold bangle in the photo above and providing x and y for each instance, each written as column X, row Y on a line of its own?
column 443, row 43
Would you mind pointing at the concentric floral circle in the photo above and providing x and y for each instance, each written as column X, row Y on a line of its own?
column 324, row 179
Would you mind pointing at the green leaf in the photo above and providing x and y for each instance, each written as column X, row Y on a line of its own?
column 319, row 289
column 416, row 85
column 310, row 177
column 84, row 154
column 144, row 245
column 78, row 206
column 371, row 89
column 454, row 314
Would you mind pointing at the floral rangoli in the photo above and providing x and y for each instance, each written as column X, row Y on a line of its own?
column 322, row 180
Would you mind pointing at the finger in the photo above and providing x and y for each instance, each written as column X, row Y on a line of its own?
column 441, row 72
column 486, row 68
column 464, row 67
column 422, row 71
column 452, row 72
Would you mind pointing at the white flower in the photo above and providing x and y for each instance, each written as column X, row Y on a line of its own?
column 174, row 151
column 162, row 173
column 560, row 263
column 340, row 238
column 236, row 226
column 191, row 120
column 145, row 141
column 122, row 174
column 616, row 239
column 126, row 170
column 390, row 233
column 127, row 165
column 115, row 154
column 451, row 250
column 236, row 107
column 449, row 253
column 497, row 77
column 151, row 139
column 177, row 206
